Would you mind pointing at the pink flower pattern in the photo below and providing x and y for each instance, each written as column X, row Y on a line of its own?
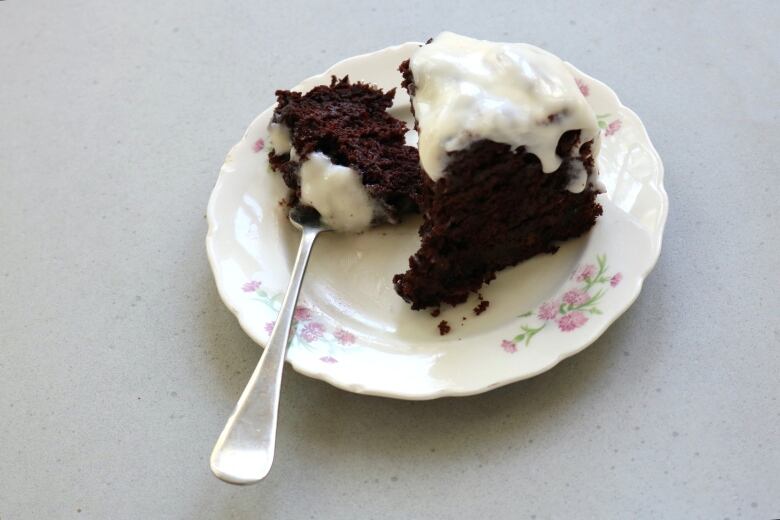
column 259, row 145
column 572, row 309
column 610, row 128
column 583, row 87
column 575, row 297
column 344, row 337
column 305, row 328
column 312, row 331
column 585, row 272
column 571, row 321
column 251, row 286
column 302, row 313
column 613, row 127
column 548, row 310
column 569, row 311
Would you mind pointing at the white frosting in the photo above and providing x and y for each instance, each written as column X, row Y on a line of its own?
column 337, row 192
column 467, row 90
column 579, row 176
column 279, row 136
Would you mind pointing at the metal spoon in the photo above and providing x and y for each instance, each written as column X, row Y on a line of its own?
column 244, row 451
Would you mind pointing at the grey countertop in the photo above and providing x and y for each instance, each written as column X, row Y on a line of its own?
column 119, row 363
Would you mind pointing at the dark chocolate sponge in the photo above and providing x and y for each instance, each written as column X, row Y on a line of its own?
column 349, row 123
column 494, row 208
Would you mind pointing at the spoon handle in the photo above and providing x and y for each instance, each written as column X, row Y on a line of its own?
column 245, row 449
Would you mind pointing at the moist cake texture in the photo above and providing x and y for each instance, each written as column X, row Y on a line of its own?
column 508, row 146
column 342, row 154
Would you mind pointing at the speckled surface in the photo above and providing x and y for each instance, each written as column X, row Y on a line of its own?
column 119, row 363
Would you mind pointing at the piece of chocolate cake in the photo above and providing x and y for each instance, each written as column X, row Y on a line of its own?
column 342, row 154
column 507, row 143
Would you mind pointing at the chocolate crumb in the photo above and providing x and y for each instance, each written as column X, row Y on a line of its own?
column 482, row 307
column 444, row 328
column 435, row 312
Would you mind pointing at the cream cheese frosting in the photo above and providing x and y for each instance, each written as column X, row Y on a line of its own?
column 279, row 137
column 337, row 193
column 467, row 90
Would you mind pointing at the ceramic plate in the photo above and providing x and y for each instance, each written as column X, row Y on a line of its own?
column 354, row 332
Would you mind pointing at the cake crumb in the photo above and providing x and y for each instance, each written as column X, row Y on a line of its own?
column 444, row 328
column 482, row 307
column 435, row 312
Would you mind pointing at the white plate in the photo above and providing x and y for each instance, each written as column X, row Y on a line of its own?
column 354, row 332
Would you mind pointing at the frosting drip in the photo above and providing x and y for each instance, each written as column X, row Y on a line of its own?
column 467, row 90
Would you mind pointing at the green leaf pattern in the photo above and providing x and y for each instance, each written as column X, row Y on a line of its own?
column 573, row 308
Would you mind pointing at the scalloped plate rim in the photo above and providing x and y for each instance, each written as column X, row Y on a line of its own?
column 398, row 393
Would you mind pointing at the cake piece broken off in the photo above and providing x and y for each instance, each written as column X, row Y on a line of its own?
column 508, row 145
column 343, row 155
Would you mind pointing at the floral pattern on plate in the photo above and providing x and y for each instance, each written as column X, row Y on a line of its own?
column 611, row 127
column 571, row 310
column 307, row 330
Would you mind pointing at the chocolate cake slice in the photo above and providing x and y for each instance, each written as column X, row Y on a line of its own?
column 343, row 155
column 508, row 146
